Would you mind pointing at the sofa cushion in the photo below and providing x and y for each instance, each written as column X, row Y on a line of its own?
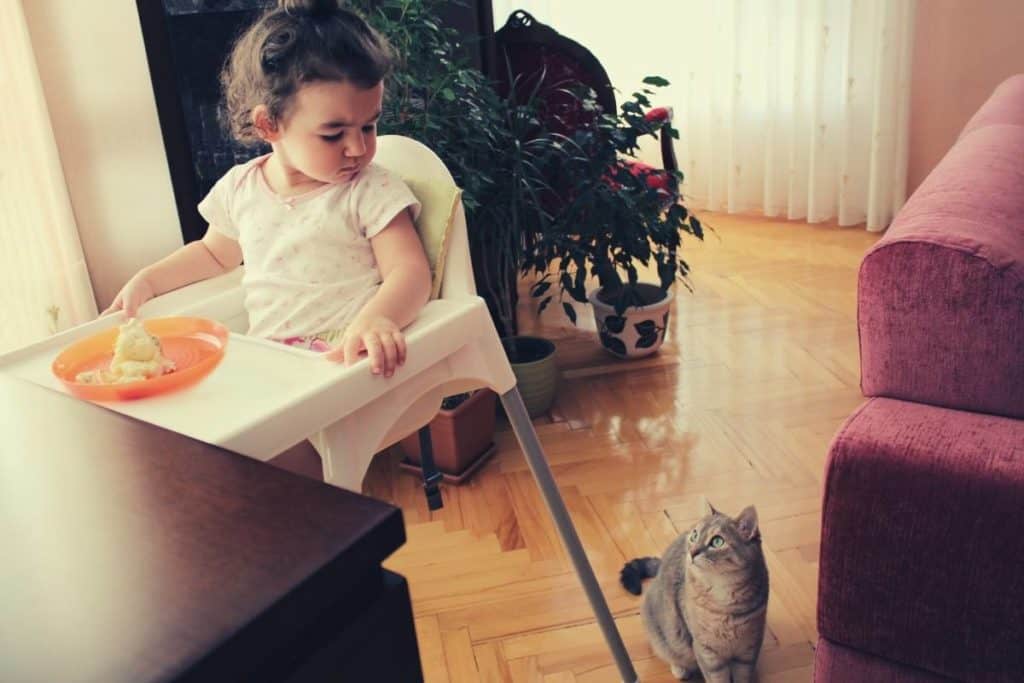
column 922, row 536
column 1005, row 105
column 941, row 296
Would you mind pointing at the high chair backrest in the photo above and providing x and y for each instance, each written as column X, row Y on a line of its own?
column 442, row 221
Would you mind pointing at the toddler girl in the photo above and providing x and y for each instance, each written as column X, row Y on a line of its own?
column 332, row 259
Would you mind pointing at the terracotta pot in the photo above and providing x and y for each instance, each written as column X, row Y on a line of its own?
column 639, row 331
column 462, row 437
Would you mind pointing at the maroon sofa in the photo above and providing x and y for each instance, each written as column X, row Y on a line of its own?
column 922, row 545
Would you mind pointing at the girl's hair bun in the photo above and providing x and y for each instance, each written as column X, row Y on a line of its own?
column 295, row 43
column 311, row 7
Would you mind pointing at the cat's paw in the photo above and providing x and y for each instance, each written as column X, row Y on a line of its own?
column 683, row 674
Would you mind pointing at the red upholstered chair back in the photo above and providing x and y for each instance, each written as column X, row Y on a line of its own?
column 534, row 59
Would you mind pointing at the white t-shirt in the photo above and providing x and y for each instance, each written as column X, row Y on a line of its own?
column 309, row 266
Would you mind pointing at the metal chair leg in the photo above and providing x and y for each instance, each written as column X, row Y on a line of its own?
column 523, row 428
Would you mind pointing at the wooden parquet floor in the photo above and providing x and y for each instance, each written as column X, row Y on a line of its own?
column 759, row 370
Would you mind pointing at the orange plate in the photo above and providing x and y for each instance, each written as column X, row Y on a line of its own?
column 196, row 345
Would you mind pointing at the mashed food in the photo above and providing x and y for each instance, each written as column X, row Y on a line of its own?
column 137, row 356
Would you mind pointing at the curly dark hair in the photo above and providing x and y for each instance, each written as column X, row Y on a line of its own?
column 298, row 42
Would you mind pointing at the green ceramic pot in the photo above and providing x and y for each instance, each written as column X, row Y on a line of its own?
column 533, row 363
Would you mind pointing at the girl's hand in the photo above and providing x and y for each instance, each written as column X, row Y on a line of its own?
column 136, row 292
column 382, row 340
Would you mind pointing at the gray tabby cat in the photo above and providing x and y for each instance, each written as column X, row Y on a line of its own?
column 707, row 603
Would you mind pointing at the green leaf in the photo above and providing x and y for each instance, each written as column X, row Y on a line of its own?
column 569, row 311
column 566, row 282
column 540, row 288
column 639, row 97
column 657, row 81
column 544, row 304
column 696, row 227
column 666, row 273
column 579, row 290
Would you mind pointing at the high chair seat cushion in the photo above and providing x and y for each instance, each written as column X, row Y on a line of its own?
column 439, row 199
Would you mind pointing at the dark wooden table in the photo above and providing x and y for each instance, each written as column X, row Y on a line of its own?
column 129, row 553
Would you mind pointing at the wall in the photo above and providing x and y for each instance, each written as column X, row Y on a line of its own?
column 101, row 104
column 93, row 66
column 962, row 50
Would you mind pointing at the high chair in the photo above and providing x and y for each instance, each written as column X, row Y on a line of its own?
column 265, row 397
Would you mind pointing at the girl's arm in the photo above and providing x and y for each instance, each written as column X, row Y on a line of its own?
column 404, row 289
column 216, row 253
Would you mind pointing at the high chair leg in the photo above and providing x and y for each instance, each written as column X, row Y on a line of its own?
column 523, row 428
column 431, row 476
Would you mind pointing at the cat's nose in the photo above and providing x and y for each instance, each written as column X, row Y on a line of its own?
column 695, row 551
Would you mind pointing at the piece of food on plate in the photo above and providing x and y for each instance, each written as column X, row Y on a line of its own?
column 137, row 356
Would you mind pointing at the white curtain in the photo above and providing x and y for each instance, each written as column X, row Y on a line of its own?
column 44, row 283
column 790, row 108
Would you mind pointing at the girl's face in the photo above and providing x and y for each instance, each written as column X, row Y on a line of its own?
column 329, row 133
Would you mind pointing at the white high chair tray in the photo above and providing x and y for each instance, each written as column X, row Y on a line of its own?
column 264, row 397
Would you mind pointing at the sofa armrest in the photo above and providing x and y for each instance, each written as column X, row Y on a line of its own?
column 941, row 296
column 922, row 538
column 1006, row 105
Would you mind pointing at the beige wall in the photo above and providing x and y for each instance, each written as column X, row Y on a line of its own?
column 93, row 66
column 962, row 50
column 92, row 62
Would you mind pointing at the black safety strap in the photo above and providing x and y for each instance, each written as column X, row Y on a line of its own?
column 431, row 476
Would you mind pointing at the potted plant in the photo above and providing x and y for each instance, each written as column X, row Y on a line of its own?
column 436, row 97
column 531, row 157
column 497, row 150
column 462, row 436
column 614, row 218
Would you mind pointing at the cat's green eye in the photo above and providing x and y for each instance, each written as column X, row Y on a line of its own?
column 717, row 542
column 693, row 536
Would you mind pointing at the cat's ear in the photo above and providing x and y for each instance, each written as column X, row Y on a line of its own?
column 706, row 509
column 746, row 523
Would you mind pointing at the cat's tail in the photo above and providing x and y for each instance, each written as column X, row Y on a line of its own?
column 635, row 571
